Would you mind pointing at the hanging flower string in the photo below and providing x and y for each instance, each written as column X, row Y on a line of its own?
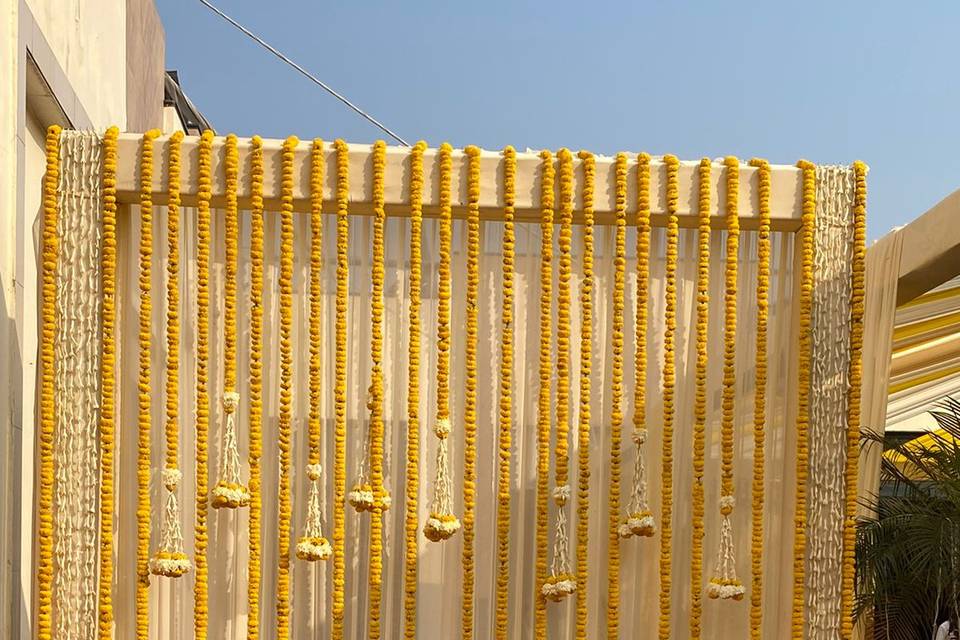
column 340, row 387
column 639, row 519
column 583, row 423
column 808, row 225
column 285, row 422
column 170, row 560
column 562, row 582
column 543, row 397
column 411, row 522
column 200, row 607
column 442, row 524
column 616, row 392
column 724, row 584
column 376, row 409
column 144, row 386
column 230, row 491
column 108, row 381
column 759, row 406
column 256, row 386
column 312, row 545
column 48, row 412
column 505, row 397
column 669, row 394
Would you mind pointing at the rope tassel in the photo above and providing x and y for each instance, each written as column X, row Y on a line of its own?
column 639, row 520
column 312, row 545
column 442, row 524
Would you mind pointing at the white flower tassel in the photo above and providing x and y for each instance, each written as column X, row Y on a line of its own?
column 312, row 545
column 639, row 520
column 361, row 497
column 725, row 585
column 170, row 560
column 561, row 582
column 230, row 491
column 442, row 524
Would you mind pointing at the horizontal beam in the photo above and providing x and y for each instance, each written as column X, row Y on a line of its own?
column 931, row 249
column 785, row 197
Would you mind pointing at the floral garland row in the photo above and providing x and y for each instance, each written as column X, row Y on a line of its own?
column 411, row 522
column 204, row 190
column 170, row 560
column 312, row 545
column 586, row 361
column 340, row 386
column 724, row 584
column 108, row 380
column 562, row 582
column 616, row 392
column 543, row 397
column 759, row 405
column 442, row 524
column 808, row 223
column 505, row 403
column 48, row 413
column 857, row 299
column 669, row 379
column 256, row 387
column 700, row 399
column 144, row 386
column 285, row 422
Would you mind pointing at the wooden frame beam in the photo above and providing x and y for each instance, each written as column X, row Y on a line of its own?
column 785, row 199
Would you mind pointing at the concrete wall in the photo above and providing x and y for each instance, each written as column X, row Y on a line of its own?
column 81, row 64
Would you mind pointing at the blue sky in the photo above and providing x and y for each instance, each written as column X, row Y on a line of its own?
column 827, row 81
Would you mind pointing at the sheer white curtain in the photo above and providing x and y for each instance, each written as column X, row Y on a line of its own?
column 439, row 568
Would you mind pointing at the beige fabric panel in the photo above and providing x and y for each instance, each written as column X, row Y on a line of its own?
column 439, row 590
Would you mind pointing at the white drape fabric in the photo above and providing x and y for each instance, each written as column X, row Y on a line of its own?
column 77, row 388
column 439, row 564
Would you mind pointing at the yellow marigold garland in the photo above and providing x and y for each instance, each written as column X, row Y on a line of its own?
column 669, row 379
column 857, row 298
column 583, row 424
column 543, row 396
column 803, row 395
column 200, row 606
column 700, row 399
column 724, row 584
column 470, row 390
column 108, row 379
column 639, row 519
column 143, row 386
column 376, row 408
column 229, row 491
column 413, row 395
column 616, row 392
column 442, row 524
column 312, row 546
column 340, row 386
column 505, row 397
column 256, row 386
column 48, row 412
column 562, row 582
column 759, row 403
column 285, row 423
column 170, row 560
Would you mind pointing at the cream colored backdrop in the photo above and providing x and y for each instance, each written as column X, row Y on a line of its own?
column 439, row 568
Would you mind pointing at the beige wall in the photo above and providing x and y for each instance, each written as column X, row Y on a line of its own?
column 79, row 63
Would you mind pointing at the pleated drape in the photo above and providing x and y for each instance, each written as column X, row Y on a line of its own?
column 439, row 570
